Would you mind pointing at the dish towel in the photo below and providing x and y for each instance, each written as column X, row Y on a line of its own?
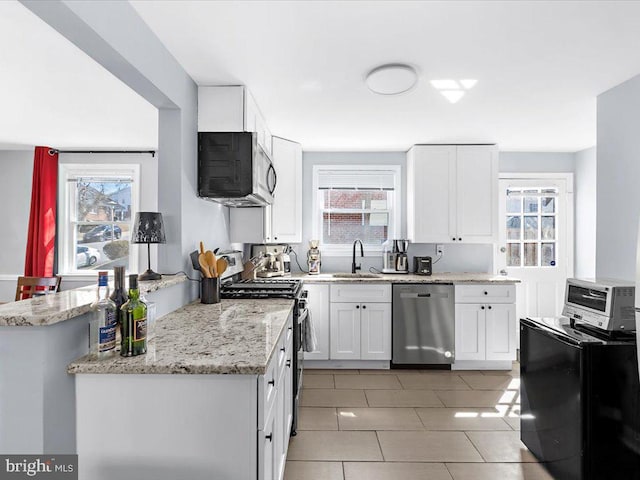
column 310, row 340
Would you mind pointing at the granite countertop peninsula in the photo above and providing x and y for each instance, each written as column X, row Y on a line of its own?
column 445, row 277
column 61, row 306
column 231, row 337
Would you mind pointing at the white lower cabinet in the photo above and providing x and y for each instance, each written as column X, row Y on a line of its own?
column 360, row 329
column 485, row 331
column 318, row 306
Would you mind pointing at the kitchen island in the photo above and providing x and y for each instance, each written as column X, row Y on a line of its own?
column 212, row 398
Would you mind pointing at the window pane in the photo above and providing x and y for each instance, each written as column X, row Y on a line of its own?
column 513, row 228
column 530, row 228
column 103, row 201
column 548, row 254
column 341, row 228
column 101, row 246
column 355, row 199
column 548, row 204
column 548, row 228
column 530, row 254
column 530, row 204
column 513, row 255
column 514, row 204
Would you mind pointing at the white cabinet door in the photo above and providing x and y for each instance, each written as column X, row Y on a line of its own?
column 318, row 305
column 221, row 109
column 431, row 193
column 501, row 331
column 286, row 211
column 250, row 225
column 267, row 461
column 477, row 193
column 345, row 331
column 470, row 332
column 375, row 325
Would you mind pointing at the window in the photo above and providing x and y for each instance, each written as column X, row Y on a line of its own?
column 96, row 206
column 356, row 201
column 531, row 227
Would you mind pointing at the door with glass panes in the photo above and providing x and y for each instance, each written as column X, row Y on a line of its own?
column 536, row 241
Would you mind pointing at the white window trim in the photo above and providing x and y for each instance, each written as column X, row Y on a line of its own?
column 66, row 252
column 396, row 213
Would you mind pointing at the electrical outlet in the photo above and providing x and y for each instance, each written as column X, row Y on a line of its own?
column 439, row 249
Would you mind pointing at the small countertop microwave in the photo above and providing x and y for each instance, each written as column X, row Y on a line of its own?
column 604, row 303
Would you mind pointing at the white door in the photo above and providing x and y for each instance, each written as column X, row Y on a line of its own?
column 470, row 331
column 476, row 193
column 501, row 331
column 375, row 326
column 536, row 240
column 345, row 331
column 318, row 305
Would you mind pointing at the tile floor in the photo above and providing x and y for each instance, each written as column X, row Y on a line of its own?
column 410, row 424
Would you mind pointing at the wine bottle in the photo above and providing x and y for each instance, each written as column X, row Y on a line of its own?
column 103, row 329
column 134, row 322
column 119, row 297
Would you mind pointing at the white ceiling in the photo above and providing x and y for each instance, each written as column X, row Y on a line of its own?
column 51, row 93
column 539, row 65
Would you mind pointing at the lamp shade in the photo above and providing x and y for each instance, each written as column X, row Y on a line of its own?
column 148, row 228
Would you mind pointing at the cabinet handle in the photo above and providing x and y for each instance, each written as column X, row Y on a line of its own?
column 454, row 239
column 486, row 293
column 460, row 239
column 364, row 306
column 275, row 238
column 289, row 363
column 282, row 349
column 290, row 328
column 269, row 437
column 273, row 381
column 357, row 306
column 482, row 307
column 489, row 307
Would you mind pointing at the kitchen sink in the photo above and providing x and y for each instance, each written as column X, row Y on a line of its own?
column 356, row 275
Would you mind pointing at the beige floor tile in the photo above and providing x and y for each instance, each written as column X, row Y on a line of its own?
column 432, row 381
column 470, row 398
column 379, row 419
column 313, row 471
column 501, row 446
column 494, row 471
column 335, row 446
column 514, row 422
column 317, row 418
column 318, row 381
column 492, row 382
column 395, row 471
column 403, row 398
column 461, row 419
column 464, row 372
column 324, row 371
column 324, row 397
column 367, row 381
column 428, row 447
column 390, row 371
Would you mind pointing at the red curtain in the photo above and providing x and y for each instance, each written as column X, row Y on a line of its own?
column 41, row 238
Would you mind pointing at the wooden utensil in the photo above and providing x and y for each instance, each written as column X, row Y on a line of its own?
column 221, row 266
column 202, row 248
column 204, row 266
column 210, row 258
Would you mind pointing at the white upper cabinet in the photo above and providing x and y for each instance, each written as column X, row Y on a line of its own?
column 231, row 109
column 286, row 210
column 452, row 193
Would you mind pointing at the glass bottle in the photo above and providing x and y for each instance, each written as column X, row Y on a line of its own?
column 103, row 330
column 134, row 322
column 119, row 297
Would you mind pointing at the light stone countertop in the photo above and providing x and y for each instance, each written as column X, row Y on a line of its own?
column 447, row 277
column 61, row 306
column 231, row 337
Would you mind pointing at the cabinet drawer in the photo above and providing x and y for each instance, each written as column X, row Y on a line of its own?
column 375, row 293
column 485, row 293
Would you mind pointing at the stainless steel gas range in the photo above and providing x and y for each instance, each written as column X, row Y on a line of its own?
column 279, row 288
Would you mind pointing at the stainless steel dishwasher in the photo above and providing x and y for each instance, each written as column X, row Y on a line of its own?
column 423, row 324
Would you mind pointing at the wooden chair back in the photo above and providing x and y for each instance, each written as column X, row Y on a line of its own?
column 28, row 286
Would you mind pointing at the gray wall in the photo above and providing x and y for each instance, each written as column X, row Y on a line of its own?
column 618, row 177
column 15, row 188
column 585, row 214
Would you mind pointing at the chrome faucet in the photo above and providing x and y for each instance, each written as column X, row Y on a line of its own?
column 355, row 267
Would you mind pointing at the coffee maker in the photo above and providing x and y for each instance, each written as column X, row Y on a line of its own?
column 395, row 258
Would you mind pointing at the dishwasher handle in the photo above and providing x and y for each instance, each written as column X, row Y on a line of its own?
column 424, row 295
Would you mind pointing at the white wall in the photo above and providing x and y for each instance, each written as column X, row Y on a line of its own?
column 536, row 162
column 585, row 213
column 618, row 180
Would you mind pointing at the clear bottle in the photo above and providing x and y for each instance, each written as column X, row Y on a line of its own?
column 104, row 323
column 134, row 322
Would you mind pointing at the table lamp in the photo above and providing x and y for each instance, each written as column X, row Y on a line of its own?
column 148, row 228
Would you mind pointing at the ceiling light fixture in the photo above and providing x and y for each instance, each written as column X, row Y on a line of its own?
column 468, row 83
column 452, row 95
column 392, row 79
column 453, row 90
column 445, row 84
